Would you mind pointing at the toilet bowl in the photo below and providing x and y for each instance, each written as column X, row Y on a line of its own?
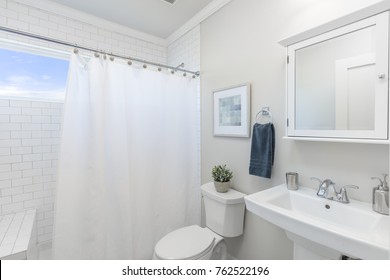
column 224, row 213
column 191, row 243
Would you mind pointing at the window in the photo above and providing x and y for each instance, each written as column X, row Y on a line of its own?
column 25, row 75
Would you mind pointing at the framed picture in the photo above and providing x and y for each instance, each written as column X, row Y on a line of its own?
column 232, row 111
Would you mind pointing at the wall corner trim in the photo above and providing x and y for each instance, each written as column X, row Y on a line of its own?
column 210, row 9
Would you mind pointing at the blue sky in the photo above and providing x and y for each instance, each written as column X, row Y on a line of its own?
column 32, row 76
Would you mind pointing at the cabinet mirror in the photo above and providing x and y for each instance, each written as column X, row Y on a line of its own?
column 338, row 82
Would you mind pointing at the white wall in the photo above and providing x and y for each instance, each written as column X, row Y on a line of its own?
column 29, row 131
column 238, row 45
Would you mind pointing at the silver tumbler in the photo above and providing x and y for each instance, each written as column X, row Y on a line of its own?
column 292, row 180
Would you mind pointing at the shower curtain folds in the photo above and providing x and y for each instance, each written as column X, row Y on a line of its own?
column 128, row 166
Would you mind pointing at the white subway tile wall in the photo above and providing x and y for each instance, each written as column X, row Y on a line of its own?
column 30, row 130
column 186, row 49
column 29, row 140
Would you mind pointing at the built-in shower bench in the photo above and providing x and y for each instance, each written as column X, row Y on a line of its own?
column 17, row 234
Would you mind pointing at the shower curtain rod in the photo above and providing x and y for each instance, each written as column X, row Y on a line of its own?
column 39, row 37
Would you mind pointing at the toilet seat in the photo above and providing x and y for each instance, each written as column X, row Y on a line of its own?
column 191, row 242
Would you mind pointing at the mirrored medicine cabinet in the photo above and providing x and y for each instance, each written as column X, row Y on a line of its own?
column 337, row 81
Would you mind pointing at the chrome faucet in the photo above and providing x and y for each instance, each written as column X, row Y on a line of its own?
column 323, row 188
column 327, row 190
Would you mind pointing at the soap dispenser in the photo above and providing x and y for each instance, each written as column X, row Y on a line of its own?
column 380, row 196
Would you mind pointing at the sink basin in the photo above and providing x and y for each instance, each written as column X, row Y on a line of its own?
column 353, row 229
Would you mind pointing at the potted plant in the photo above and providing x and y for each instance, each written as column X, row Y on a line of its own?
column 222, row 176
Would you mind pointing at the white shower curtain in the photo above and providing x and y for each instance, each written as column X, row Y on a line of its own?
column 129, row 161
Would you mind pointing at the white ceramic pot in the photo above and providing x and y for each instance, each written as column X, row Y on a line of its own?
column 222, row 187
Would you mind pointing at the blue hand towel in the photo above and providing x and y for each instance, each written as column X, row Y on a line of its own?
column 262, row 150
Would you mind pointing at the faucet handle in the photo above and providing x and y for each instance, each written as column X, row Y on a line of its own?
column 343, row 196
column 380, row 180
column 383, row 183
column 350, row 187
column 315, row 178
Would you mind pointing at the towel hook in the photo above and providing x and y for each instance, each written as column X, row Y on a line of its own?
column 264, row 112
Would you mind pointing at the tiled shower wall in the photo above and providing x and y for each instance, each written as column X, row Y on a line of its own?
column 30, row 130
column 29, row 143
column 186, row 50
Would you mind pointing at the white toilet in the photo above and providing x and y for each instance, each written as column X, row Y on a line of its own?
column 224, row 218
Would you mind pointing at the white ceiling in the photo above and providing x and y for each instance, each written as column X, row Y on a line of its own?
column 154, row 17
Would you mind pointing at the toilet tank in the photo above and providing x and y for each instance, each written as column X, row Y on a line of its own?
column 224, row 211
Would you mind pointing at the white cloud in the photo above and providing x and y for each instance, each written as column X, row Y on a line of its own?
column 20, row 79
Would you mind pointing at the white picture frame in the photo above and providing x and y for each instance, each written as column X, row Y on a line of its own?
column 232, row 111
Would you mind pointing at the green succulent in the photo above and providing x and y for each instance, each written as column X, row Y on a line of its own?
column 221, row 173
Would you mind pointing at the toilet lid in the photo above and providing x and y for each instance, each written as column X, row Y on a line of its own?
column 185, row 243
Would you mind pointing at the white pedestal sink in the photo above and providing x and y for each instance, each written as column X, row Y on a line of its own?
column 321, row 228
